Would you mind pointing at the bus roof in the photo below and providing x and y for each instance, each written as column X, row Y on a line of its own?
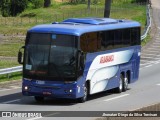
column 79, row 26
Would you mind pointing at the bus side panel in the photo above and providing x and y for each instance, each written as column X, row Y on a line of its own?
column 135, row 64
column 101, row 67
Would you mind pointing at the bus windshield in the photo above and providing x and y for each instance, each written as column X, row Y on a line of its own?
column 50, row 56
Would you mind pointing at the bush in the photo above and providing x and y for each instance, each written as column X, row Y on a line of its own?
column 12, row 8
column 17, row 6
column 5, row 8
column 37, row 3
column 47, row 3
column 139, row 1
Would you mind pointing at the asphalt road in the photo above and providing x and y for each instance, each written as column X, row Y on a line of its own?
column 143, row 93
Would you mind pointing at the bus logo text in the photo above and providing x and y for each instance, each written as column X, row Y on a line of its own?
column 106, row 59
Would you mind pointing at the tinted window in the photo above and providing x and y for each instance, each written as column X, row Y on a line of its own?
column 108, row 39
column 38, row 39
column 127, row 37
column 118, row 41
column 90, row 42
column 112, row 39
column 135, row 36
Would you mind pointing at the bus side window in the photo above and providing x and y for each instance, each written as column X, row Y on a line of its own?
column 84, row 43
column 92, row 46
column 107, row 40
column 89, row 42
column 135, row 36
column 118, row 41
column 127, row 37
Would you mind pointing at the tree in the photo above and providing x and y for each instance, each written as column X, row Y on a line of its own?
column 0, row 3
column 47, row 3
column 12, row 7
column 107, row 8
column 140, row 1
column 17, row 6
column 5, row 8
column 37, row 3
column 89, row 4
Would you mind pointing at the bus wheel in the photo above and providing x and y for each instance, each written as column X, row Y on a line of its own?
column 39, row 99
column 125, row 83
column 120, row 87
column 84, row 98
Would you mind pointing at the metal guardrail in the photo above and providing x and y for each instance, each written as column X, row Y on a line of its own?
column 149, row 20
column 19, row 68
column 10, row 70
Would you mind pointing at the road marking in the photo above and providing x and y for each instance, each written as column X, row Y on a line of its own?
column 145, row 57
column 150, row 54
column 4, row 90
column 11, row 101
column 148, row 66
column 153, row 51
column 152, row 48
column 144, row 60
column 145, row 64
column 155, row 45
column 10, row 89
column 157, row 41
column 150, row 62
column 150, row 57
column 15, row 87
column 157, row 63
column 116, row 97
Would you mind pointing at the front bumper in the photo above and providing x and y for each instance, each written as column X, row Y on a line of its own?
column 51, row 89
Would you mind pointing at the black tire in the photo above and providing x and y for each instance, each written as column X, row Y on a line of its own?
column 120, row 87
column 84, row 98
column 125, row 83
column 39, row 99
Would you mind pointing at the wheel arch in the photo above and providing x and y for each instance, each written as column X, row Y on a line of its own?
column 128, row 74
column 122, row 73
column 88, row 85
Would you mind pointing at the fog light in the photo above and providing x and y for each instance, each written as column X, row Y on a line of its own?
column 26, row 88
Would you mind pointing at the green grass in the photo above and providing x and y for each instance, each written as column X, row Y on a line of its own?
column 8, row 63
column 146, row 40
column 11, row 77
column 10, row 50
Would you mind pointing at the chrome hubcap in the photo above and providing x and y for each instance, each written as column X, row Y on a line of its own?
column 120, row 84
column 126, row 82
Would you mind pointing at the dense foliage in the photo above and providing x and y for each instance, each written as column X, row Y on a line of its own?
column 140, row 1
column 14, row 7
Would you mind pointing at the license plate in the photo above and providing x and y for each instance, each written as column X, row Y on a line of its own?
column 40, row 82
column 47, row 93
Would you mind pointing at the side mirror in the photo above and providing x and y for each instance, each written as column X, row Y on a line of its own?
column 82, row 60
column 20, row 55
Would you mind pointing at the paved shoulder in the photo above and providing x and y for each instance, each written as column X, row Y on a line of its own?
column 151, row 52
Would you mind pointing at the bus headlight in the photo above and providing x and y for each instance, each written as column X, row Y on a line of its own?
column 70, row 90
column 26, row 88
